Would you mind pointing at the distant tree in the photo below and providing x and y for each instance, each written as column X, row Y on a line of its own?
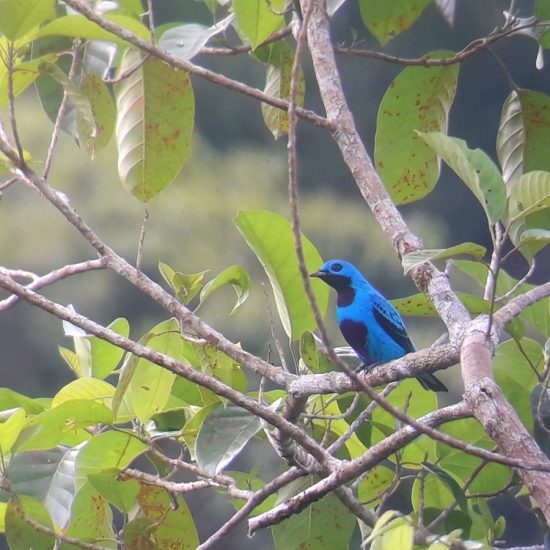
column 73, row 468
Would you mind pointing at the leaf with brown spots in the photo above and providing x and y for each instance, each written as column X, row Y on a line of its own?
column 418, row 99
column 156, row 111
column 388, row 19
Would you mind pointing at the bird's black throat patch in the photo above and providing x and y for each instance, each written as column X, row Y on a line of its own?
column 346, row 295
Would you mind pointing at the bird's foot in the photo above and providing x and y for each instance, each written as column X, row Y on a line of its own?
column 367, row 367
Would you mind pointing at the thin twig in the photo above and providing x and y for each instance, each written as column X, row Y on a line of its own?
column 141, row 239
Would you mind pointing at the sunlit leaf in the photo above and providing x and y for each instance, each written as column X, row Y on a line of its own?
column 21, row 16
column 78, row 26
column 185, row 285
column 418, row 100
column 156, row 111
column 258, row 19
column 10, row 429
column 391, row 530
column 234, row 275
column 270, row 237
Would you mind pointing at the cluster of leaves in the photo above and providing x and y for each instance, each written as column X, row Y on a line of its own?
column 79, row 444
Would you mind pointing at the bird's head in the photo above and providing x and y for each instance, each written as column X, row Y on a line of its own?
column 338, row 274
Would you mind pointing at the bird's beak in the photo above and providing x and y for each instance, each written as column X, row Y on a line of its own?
column 319, row 274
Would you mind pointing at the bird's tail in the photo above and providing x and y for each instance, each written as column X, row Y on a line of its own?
column 430, row 382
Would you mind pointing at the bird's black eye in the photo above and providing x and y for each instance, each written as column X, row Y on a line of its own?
column 336, row 267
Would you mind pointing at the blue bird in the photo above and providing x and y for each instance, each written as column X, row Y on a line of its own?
column 368, row 322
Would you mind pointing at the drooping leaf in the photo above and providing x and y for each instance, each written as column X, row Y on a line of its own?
column 279, row 58
column 103, row 111
column 475, row 169
column 186, row 41
column 385, row 20
column 223, row 435
column 315, row 360
column 418, row 100
column 258, row 19
column 49, row 477
column 234, row 275
column 21, row 16
column 522, row 138
column 270, row 237
column 156, row 110
column 529, row 194
column 412, row 259
column 10, row 399
column 85, row 122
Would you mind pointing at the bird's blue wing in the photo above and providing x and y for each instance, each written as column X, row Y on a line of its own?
column 390, row 320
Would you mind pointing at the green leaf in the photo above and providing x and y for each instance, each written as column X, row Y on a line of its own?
column 324, row 524
column 315, row 360
column 258, row 19
column 91, row 519
column 48, row 476
column 413, row 259
column 529, row 194
column 121, row 493
column 103, row 111
column 374, row 485
column 523, row 135
column 10, row 430
column 185, row 285
column 270, row 238
column 167, row 525
column 106, row 356
column 64, row 423
column 24, row 74
column 385, row 20
column 105, row 451
column 150, row 386
column 419, row 305
column 19, row 534
column 156, row 110
column 223, row 435
column 186, row 41
column 21, row 16
column 78, row 26
column 409, row 397
column 451, row 483
column 234, row 275
column 279, row 58
column 10, row 399
column 222, row 367
column 391, row 530
column 418, row 99
column 475, row 169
